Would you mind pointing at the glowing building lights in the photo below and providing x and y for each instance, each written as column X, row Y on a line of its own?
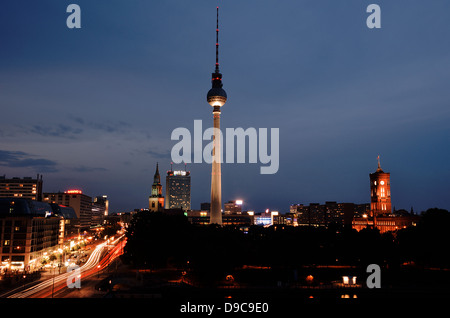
column 74, row 191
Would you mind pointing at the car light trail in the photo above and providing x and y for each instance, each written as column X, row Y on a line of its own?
column 91, row 266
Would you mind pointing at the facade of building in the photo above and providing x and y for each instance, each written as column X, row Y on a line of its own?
column 266, row 218
column 238, row 219
column 286, row 219
column 380, row 192
column 361, row 209
column 99, row 209
column 316, row 214
column 70, row 228
column 156, row 199
column 386, row 223
column 200, row 217
column 81, row 203
column 104, row 203
column 28, row 230
column 380, row 215
column 205, row 206
column 178, row 190
column 25, row 188
column 233, row 207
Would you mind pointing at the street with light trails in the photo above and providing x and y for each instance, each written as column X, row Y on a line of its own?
column 96, row 263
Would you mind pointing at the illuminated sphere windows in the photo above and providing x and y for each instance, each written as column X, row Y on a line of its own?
column 216, row 96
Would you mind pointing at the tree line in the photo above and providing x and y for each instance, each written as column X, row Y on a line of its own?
column 158, row 240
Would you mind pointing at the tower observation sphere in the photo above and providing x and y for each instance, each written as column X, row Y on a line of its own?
column 216, row 96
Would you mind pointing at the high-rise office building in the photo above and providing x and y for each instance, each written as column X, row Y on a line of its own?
column 216, row 97
column 81, row 203
column 25, row 188
column 99, row 209
column 156, row 199
column 178, row 190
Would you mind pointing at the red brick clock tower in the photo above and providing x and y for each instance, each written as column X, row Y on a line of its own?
column 380, row 192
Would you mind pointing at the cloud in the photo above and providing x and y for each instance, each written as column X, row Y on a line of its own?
column 19, row 159
column 159, row 155
column 88, row 169
column 9, row 156
column 104, row 125
column 59, row 130
column 76, row 128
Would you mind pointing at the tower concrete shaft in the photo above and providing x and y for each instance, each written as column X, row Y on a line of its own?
column 216, row 174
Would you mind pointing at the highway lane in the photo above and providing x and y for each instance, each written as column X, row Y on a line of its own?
column 88, row 281
column 60, row 281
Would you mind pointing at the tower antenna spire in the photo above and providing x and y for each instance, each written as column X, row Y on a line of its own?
column 217, row 42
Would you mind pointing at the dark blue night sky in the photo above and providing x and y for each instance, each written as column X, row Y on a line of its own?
column 94, row 108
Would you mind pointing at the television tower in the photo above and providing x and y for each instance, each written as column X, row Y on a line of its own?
column 216, row 97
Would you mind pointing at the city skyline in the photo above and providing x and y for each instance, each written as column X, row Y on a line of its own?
column 94, row 108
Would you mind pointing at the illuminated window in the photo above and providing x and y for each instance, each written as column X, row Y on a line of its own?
column 383, row 194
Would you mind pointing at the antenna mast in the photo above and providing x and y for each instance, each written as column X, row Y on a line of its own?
column 217, row 42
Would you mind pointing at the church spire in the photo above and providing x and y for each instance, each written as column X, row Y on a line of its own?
column 157, row 177
column 379, row 166
column 156, row 199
